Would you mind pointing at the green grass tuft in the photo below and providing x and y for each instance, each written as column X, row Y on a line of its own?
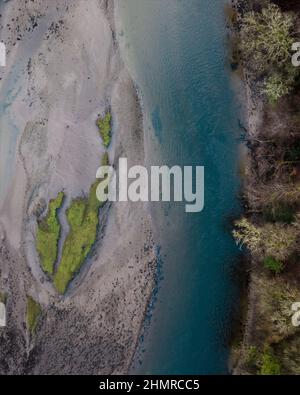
column 33, row 313
column 273, row 265
column 104, row 126
column 48, row 234
column 270, row 366
column 83, row 218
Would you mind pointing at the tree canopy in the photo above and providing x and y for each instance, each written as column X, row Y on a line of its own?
column 266, row 43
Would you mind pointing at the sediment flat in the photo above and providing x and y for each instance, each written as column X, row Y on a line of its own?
column 64, row 69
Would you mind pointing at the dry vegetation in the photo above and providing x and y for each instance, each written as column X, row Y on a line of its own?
column 270, row 228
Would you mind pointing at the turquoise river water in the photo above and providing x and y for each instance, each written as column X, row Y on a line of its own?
column 177, row 52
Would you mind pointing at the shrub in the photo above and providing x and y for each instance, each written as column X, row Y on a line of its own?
column 267, row 39
column 266, row 43
column 276, row 240
column 273, row 265
column 278, row 86
column 270, row 366
column 248, row 234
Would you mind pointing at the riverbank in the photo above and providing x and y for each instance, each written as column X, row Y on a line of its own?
column 269, row 341
column 64, row 70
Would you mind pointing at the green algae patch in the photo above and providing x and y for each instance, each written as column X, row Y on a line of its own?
column 104, row 126
column 48, row 234
column 83, row 219
column 33, row 312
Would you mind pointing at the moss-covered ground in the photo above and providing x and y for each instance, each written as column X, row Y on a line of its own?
column 48, row 234
column 104, row 126
column 83, row 219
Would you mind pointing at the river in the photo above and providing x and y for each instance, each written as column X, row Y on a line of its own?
column 178, row 54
